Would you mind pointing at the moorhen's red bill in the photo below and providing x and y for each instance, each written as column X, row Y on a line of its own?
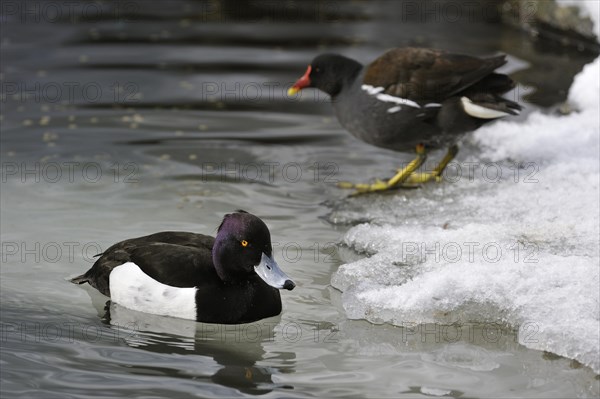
column 411, row 98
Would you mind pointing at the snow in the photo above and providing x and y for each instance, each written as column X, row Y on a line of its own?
column 521, row 249
column 589, row 8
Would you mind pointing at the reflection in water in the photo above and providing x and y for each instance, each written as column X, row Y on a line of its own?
column 236, row 348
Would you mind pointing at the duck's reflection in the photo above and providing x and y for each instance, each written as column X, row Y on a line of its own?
column 236, row 348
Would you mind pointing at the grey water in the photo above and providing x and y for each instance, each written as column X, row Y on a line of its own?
column 119, row 119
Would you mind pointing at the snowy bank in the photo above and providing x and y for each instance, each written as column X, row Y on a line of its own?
column 516, row 246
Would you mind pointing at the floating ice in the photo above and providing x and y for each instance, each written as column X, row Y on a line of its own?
column 434, row 391
column 511, row 238
column 464, row 356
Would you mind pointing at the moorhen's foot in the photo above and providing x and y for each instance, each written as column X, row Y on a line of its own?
column 450, row 154
column 363, row 188
column 424, row 177
column 418, row 178
column 396, row 181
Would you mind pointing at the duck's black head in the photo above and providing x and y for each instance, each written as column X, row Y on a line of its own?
column 328, row 73
column 243, row 248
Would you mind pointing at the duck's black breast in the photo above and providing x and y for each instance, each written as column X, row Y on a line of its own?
column 241, row 302
column 178, row 259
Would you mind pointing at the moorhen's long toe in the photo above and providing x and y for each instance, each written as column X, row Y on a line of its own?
column 411, row 98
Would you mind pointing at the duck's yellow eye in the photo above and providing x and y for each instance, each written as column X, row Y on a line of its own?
column 244, row 243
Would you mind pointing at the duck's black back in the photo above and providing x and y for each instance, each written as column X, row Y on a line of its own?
column 178, row 259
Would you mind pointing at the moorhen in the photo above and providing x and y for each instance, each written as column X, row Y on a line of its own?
column 411, row 98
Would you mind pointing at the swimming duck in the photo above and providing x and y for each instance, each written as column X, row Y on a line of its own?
column 229, row 279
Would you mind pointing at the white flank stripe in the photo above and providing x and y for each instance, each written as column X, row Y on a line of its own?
column 432, row 105
column 477, row 111
column 397, row 100
column 130, row 287
column 376, row 91
column 394, row 109
column 372, row 90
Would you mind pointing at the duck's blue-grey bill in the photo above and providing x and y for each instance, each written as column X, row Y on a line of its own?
column 270, row 272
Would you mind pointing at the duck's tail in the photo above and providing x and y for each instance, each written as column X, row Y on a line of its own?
column 80, row 279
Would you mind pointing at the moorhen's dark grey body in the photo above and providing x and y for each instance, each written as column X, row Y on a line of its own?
column 412, row 98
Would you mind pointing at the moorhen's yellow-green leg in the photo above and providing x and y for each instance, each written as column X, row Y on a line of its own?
column 398, row 179
column 436, row 173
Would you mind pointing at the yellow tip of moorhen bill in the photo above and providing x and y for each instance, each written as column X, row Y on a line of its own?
column 292, row 91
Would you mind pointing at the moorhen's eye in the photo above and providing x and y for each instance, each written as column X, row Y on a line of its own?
column 244, row 243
